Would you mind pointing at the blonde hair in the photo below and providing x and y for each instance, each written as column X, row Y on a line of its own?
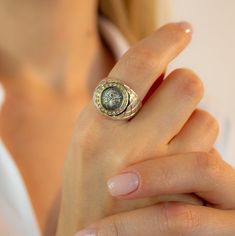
column 134, row 18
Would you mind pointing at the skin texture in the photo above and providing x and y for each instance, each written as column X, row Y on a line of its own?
column 206, row 174
column 46, row 106
column 212, row 178
column 101, row 146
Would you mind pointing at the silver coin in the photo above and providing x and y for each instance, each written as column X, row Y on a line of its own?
column 111, row 98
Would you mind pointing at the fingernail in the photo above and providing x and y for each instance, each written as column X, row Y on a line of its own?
column 123, row 184
column 86, row 232
column 187, row 27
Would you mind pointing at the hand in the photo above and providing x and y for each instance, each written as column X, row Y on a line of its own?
column 167, row 124
column 205, row 174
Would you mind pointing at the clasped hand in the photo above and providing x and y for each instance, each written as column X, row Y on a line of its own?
column 128, row 177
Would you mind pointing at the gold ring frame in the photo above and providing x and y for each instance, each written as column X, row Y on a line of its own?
column 128, row 103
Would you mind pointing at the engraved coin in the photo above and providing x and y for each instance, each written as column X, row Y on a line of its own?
column 115, row 99
column 111, row 98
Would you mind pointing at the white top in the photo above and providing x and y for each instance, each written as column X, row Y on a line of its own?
column 17, row 217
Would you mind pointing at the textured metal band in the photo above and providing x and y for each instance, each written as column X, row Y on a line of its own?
column 115, row 99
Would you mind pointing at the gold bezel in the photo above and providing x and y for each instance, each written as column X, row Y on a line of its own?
column 99, row 90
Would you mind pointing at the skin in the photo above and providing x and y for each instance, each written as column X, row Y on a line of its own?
column 90, row 163
column 76, row 49
column 40, row 109
column 206, row 174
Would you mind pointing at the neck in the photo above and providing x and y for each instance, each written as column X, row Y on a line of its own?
column 50, row 43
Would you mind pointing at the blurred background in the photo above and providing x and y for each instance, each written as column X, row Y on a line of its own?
column 42, row 50
column 210, row 54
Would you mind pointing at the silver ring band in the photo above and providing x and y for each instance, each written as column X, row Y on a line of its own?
column 115, row 99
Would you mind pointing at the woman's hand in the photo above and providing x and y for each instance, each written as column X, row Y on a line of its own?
column 205, row 174
column 167, row 124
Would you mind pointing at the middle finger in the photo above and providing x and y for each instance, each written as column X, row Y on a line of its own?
column 169, row 108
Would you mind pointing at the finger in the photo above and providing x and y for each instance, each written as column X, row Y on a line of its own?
column 191, row 220
column 147, row 59
column 154, row 87
column 204, row 174
column 166, row 219
column 198, row 135
column 167, row 111
column 145, row 221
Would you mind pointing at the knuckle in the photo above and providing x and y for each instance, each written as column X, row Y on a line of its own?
column 90, row 132
column 210, row 123
column 180, row 219
column 112, row 226
column 208, row 165
column 84, row 134
column 166, row 176
column 189, row 83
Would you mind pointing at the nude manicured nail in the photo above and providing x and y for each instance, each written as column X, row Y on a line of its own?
column 86, row 232
column 187, row 27
column 123, row 184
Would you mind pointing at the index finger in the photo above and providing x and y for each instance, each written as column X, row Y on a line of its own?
column 143, row 63
column 146, row 60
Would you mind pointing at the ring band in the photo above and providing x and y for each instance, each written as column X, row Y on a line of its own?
column 115, row 99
